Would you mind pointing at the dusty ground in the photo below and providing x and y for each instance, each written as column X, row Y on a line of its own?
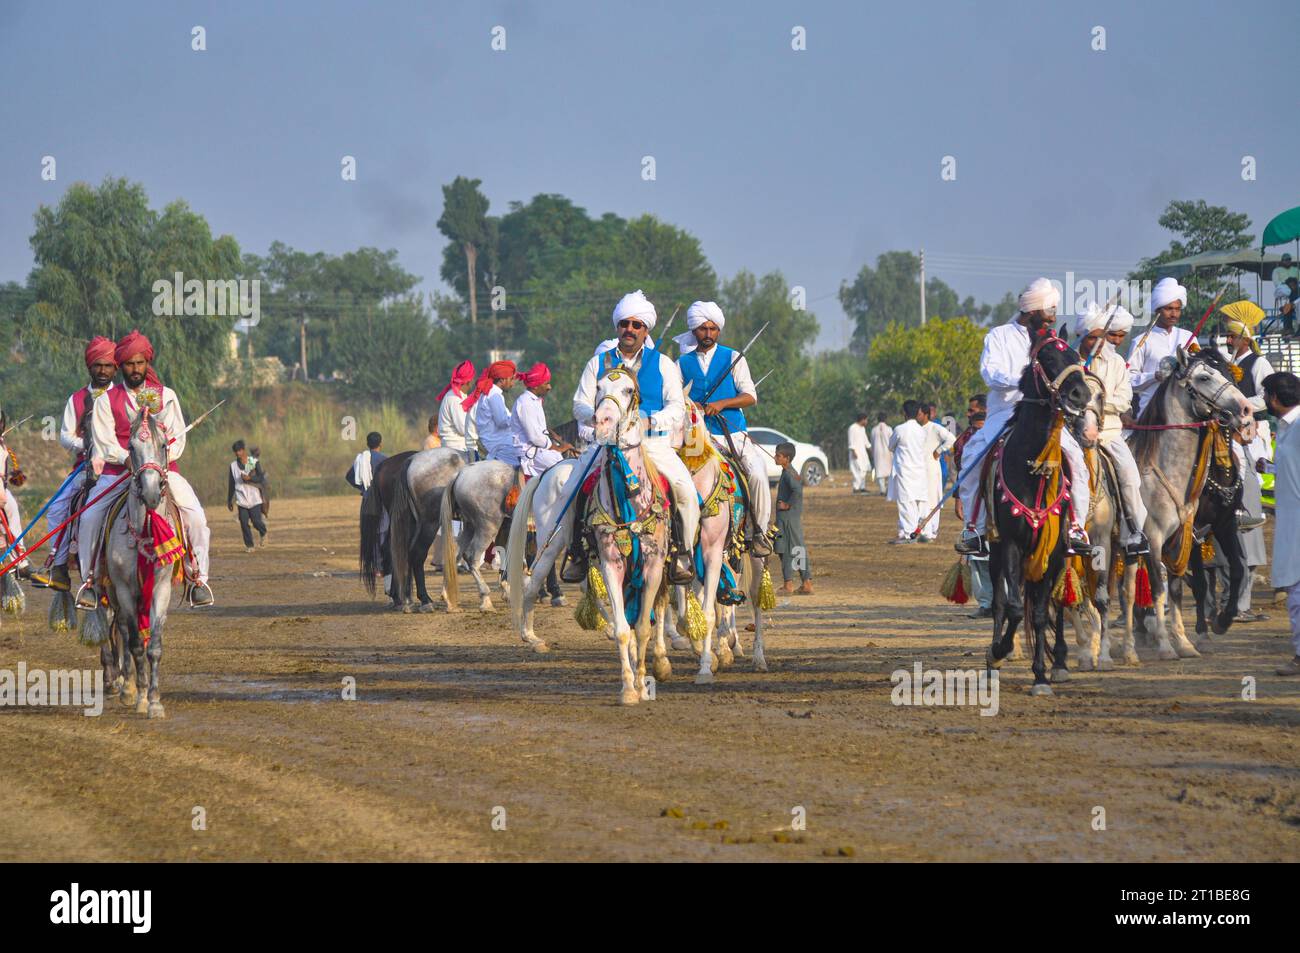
column 454, row 720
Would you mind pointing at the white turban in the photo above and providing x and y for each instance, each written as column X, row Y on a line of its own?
column 1041, row 295
column 1095, row 318
column 635, row 305
column 1166, row 292
column 701, row 312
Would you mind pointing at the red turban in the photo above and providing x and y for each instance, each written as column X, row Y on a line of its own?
column 100, row 350
column 462, row 375
column 133, row 344
column 538, row 374
column 497, row 371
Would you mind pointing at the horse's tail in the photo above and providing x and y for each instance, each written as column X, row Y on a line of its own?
column 516, row 543
column 368, row 558
column 450, row 578
column 401, row 530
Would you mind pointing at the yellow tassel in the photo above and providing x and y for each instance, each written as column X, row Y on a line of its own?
column 697, row 624
column 596, row 584
column 766, row 592
column 1048, row 462
column 1207, row 550
column 587, row 614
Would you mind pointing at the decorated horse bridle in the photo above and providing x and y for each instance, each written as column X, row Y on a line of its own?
column 1205, row 407
column 1053, row 385
column 144, row 434
column 615, row 373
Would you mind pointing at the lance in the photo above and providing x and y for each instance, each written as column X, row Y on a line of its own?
column 1213, row 304
column 16, row 426
column 763, row 378
column 664, row 333
column 741, row 353
column 40, row 542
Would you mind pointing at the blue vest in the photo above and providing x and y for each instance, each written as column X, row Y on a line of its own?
column 719, row 370
column 649, row 379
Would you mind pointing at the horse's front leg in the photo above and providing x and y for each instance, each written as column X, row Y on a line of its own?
column 1101, row 659
column 1128, row 600
column 1036, row 630
column 157, row 617
column 612, row 568
column 1180, row 646
column 1229, row 543
column 663, row 667
column 757, row 566
column 654, row 552
column 1008, row 599
column 532, row 587
column 1060, row 652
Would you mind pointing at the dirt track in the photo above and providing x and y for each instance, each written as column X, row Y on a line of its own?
column 454, row 718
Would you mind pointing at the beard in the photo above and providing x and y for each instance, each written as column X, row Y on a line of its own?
column 133, row 380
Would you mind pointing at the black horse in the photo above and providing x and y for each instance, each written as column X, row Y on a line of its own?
column 1052, row 384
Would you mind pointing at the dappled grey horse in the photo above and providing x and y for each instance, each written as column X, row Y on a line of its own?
column 413, row 520
column 122, row 643
column 476, row 496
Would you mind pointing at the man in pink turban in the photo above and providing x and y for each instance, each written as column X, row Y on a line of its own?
column 491, row 416
column 455, row 423
column 110, row 450
column 537, row 451
column 101, row 363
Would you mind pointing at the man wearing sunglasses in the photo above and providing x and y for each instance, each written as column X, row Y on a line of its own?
column 664, row 413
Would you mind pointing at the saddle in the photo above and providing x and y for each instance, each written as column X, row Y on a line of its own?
column 103, row 582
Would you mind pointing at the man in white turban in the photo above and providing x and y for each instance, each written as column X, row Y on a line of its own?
column 1003, row 361
column 1099, row 331
column 1168, row 298
column 664, row 410
column 708, row 372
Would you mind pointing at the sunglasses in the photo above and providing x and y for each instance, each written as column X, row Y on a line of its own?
column 629, row 323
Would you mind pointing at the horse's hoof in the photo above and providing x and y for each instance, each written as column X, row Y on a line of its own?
column 451, row 608
column 1060, row 675
column 704, row 678
column 406, row 608
column 127, row 695
column 1086, row 664
column 1187, row 650
column 1166, row 654
column 1041, row 689
column 629, row 696
column 538, row 646
column 609, row 632
column 142, row 706
column 1131, row 658
column 679, row 643
column 1219, row 629
column 1204, row 645
column 156, row 710
column 485, row 606
column 1105, row 665
column 713, row 662
column 663, row 669
column 990, row 661
column 426, row 607
column 724, row 655
column 760, row 663
column 117, row 686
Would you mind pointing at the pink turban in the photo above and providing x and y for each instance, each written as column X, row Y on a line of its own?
column 497, row 371
column 538, row 374
column 100, row 350
column 462, row 375
column 135, row 344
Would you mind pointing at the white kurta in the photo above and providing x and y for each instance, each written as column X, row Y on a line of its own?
column 909, row 479
column 455, row 423
column 1145, row 361
column 1112, row 370
column 881, row 454
column 105, row 446
column 859, row 455
column 492, row 418
column 61, row 506
column 528, row 430
column 1286, row 491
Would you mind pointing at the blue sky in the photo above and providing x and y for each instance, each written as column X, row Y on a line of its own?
column 809, row 162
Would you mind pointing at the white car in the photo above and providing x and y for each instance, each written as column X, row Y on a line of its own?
column 809, row 461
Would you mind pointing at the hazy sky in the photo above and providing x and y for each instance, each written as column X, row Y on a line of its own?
column 809, row 162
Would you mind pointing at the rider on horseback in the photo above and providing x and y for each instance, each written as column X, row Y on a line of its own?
column 74, row 435
column 1099, row 332
column 660, row 386
column 112, row 415
column 708, row 368
column 1002, row 364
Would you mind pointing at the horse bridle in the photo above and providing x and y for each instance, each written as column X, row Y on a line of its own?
column 1204, row 406
column 1053, row 385
column 633, row 408
column 142, row 469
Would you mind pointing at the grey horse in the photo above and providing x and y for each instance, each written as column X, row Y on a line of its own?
column 476, row 496
column 122, row 644
column 413, row 520
column 1194, row 391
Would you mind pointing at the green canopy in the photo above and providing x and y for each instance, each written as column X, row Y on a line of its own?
column 1284, row 228
column 1243, row 259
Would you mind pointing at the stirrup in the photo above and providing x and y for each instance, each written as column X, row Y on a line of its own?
column 87, row 598
column 574, row 569
column 676, row 575
column 759, row 545
column 1078, row 544
column 971, row 543
column 1140, row 546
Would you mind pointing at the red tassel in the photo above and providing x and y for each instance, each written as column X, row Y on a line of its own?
column 1142, row 597
column 960, row 595
column 1071, row 594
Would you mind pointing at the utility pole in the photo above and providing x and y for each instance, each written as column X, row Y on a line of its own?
column 922, row 287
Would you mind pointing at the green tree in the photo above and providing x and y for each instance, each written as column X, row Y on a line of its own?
column 464, row 221
column 392, row 352
column 891, row 293
column 98, row 254
column 1200, row 228
column 938, row 363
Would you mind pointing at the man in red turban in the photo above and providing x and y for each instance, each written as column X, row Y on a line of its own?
column 537, row 451
column 102, row 366
column 455, row 424
column 113, row 414
column 491, row 416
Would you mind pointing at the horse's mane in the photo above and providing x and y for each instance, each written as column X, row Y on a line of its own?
column 1145, row 443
